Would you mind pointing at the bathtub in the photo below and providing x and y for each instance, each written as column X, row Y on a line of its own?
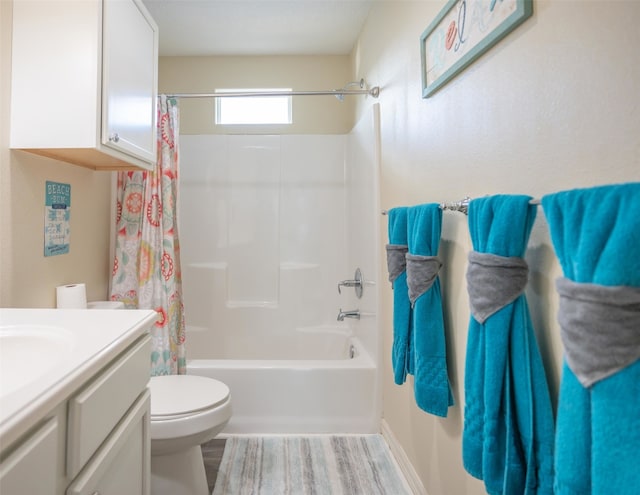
column 327, row 385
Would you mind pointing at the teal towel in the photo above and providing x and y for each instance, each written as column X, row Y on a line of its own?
column 397, row 228
column 508, row 425
column 596, row 236
column 431, row 385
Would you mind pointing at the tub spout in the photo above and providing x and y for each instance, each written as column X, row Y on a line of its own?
column 354, row 313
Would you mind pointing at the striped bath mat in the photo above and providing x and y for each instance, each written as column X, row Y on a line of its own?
column 312, row 465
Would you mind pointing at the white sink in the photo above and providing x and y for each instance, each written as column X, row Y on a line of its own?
column 28, row 352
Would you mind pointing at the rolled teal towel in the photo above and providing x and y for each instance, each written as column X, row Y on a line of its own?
column 596, row 236
column 396, row 252
column 508, row 424
column 431, row 384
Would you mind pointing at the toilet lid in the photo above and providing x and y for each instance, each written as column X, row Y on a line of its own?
column 174, row 395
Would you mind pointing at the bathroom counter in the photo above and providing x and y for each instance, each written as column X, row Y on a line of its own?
column 46, row 354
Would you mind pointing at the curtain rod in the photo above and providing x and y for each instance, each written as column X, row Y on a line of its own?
column 374, row 92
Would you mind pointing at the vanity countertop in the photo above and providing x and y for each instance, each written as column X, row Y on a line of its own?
column 45, row 354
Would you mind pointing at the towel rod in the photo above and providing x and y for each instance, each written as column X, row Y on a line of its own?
column 462, row 206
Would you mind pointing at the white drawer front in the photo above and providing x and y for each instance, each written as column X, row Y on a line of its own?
column 96, row 410
column 122, row 465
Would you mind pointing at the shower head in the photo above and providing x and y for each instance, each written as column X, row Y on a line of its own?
column 360, row 84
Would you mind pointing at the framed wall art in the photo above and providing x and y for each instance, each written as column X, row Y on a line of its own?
column 461, row 32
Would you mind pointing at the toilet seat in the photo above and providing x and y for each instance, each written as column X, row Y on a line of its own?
column 187, row 405
column 177, row 396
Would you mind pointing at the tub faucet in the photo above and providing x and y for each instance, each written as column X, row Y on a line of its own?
column 354, row 313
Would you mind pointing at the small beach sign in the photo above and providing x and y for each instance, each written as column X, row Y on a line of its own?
column 57, row 214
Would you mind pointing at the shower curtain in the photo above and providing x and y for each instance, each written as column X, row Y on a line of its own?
column 146, row 270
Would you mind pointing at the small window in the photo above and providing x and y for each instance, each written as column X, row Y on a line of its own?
column 253, row 110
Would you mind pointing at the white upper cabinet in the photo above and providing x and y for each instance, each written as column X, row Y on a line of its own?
column 84, row 82
column 129, row 68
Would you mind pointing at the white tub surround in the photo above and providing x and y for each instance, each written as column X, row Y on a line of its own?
column 269, row 225
column 322, row 342
column 262, row 234
column 74, row 402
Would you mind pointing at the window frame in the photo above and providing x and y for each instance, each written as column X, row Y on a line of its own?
column 220, row 101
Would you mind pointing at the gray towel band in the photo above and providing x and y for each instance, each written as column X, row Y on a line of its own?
column 600, row 328
column 493, row 282
column 396, row 263
column 421, row 274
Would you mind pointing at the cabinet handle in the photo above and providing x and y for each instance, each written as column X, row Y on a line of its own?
column 96, row 493
column 115, row 138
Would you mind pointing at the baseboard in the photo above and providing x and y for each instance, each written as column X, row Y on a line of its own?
column 413, row 480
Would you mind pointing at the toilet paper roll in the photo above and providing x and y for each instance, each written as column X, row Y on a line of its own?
column 72, row 296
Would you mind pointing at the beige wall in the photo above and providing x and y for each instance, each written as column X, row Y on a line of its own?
column 311, row 114
column 553, row 106
column 27, row 277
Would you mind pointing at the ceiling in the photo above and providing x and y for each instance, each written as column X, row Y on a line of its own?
column 258, row 27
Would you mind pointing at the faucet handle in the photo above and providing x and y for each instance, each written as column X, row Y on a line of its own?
column 356, row 282
column 346, row 283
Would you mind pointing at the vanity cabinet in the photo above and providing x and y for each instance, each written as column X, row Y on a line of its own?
column 31, row 468
column 84, row 82
column 96, row 441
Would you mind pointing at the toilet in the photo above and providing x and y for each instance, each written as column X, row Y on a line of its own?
column 186, row 411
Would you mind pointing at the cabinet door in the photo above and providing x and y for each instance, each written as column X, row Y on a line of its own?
column 32, row 467
column 99, row 406
column 129, row 78
column 123, row 464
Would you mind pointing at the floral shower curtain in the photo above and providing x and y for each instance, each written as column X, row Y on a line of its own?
column 146, row 270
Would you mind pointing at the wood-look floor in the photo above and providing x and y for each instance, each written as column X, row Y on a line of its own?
column 212, row 454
